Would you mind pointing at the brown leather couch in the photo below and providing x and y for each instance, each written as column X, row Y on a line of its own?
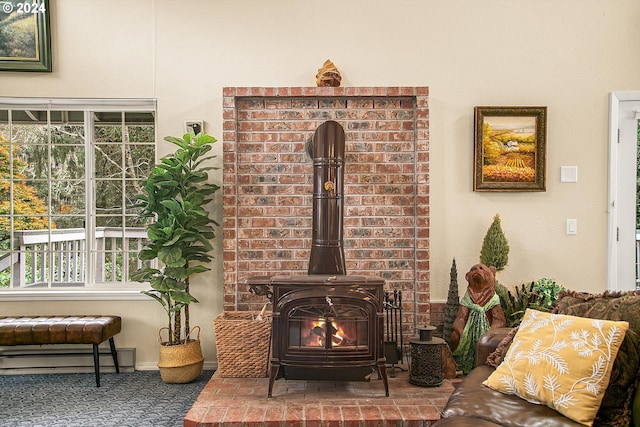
column 475, row 405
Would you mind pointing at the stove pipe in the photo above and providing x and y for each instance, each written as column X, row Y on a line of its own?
column 327, row 251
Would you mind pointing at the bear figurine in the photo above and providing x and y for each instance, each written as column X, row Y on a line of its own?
column 479, row 311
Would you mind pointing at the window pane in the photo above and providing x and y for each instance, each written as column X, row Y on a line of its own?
column 137, row 223
column 135, row 264
column 68, row 133
column 140, row 159
column 67, row 197
column 109, row 257
column 108, row 196
column 5, row 202
column 132, row 189
column 69, row 222
column 108, row 160
column 67, row 162
column 4, row 121
column 31, row 161
column 140, row 126
column 108, row 127
column 6, row 266
column 29, row 127
column 67, row 262
column 34, row 272
column 108, row 221
column 29, row 197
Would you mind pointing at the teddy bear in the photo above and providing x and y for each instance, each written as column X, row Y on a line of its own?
column 479, row 311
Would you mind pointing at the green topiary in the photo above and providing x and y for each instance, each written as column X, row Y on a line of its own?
column 495, row 248
column 453, row 303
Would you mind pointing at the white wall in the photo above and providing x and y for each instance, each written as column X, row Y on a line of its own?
column 565, row 54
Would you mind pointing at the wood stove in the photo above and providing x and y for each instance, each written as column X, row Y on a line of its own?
column 327, row 327
column 327, row 324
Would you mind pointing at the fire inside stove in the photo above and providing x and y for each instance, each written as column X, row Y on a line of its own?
column 320, row 329
column 322, row 332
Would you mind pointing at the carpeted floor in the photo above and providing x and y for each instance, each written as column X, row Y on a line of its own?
column 72, row 400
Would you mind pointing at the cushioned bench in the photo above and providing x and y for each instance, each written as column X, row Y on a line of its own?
column 37, row 330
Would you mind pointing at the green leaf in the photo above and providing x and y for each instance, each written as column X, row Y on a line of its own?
column 171, row 257
column 144, row 274
column 197, row 269
column 183, row 297
column 173, row 205
column 155, row 296
column 176, row 272
column 147, row 255
column 182, row 143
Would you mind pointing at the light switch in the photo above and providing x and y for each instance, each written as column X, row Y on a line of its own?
column 568, row 174
column 572, row 226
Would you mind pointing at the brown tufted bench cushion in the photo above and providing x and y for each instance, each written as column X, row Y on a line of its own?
column 37, row 330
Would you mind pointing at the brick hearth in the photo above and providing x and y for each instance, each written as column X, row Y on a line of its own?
column 242, row 402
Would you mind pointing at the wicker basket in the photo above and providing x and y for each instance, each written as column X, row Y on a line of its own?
column 243, row 344
column 182, row 363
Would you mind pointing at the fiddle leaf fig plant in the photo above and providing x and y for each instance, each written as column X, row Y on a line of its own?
column 181, row 230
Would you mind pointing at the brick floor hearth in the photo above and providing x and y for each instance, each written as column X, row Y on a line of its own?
column 243, row 402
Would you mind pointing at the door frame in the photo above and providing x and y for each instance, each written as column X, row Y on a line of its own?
column 615, row 98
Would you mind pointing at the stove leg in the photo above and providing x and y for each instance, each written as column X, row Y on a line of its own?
column 273, row 372
column 382, row 373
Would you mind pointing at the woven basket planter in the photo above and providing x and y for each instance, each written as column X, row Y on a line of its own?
column 243, row 344
column 181, row 363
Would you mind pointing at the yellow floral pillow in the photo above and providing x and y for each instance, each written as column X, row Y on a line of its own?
column 560, row 361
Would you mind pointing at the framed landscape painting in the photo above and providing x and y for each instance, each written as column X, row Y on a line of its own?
column 25, row 36
column 510, row 149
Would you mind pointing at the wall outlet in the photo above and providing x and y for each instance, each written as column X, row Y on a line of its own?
column 196, row 126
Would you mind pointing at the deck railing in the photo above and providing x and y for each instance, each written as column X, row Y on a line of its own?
column 58, row 256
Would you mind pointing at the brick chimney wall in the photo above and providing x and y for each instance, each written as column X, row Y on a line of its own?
column 267, row 186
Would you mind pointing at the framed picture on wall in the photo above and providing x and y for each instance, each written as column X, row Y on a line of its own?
column 510, row 149
column 25, row 36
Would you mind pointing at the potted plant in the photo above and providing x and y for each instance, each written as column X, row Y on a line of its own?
column 180, row 234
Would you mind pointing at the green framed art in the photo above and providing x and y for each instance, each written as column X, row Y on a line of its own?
column 25, row 35
column 510, row 149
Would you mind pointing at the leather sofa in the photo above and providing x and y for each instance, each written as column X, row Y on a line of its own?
column 473, row 404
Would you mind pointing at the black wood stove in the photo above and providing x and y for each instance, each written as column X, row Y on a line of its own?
column 326, row 325
column 327, row 328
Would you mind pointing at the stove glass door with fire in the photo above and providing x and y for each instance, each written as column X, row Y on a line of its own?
column 327, row 327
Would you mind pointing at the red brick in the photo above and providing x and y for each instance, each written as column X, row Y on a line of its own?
column 254, row 416
column 213, row 417
column 351, row 416
column 331, row 416
column 313, row 416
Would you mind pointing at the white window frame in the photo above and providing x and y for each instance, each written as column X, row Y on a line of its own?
column 88, row 105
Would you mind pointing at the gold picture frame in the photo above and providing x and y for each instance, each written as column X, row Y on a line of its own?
column 510, row 149
column 26, row 36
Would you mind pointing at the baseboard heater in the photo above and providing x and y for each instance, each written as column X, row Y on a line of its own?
column 61, row 359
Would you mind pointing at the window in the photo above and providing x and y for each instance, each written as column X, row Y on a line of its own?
column 69, row 173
